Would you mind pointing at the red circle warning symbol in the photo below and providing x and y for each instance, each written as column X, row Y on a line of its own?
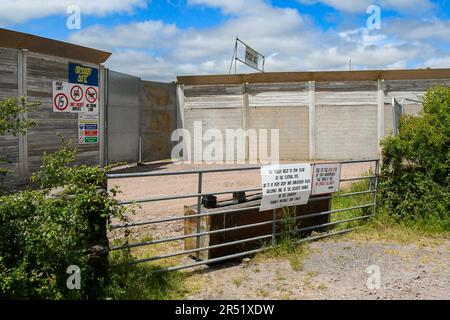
column 61, row 102
column 91, row 94
column 76, row 93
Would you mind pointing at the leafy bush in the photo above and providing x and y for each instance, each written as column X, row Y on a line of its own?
column 43, row 232
column 12, row 123
column 415, row 184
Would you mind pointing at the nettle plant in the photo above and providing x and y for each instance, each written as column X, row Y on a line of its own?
column 415, row 185
column 63, row 223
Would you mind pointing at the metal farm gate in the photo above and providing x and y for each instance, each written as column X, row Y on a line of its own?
column 220, row 234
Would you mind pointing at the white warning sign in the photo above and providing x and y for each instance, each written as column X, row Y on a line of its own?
column 88, row 128
column 285, row 185
column 326, row 178
column 75, row 98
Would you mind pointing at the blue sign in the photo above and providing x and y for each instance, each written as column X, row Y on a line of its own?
column 81, row 74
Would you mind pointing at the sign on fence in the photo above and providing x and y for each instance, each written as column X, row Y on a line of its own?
column 87, row 128
column 326, row 178
column 82, row 74
column 285, row 185
column 75, row 98
column 251, row 57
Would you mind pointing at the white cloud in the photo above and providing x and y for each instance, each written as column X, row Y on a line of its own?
column 146, row 34
column 237, row 7
column 442, row 62
column 354, row 6
column 19, row 11
column 155, row 50
column 420, row 29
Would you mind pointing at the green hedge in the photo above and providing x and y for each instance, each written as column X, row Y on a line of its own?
column 43, row 232
column 415, row 184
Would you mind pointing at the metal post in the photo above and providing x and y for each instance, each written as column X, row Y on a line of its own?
column 199, row 211
column 377, row 174
column 274, row 219
column 140, row 150
column 104, row 117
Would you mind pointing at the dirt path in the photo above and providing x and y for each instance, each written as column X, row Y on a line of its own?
column 336, row 269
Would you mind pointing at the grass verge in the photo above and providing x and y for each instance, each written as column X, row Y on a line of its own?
column 141, row 281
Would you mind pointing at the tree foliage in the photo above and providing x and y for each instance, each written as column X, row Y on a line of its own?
column 12, row 122
column 43, row 232
column 415, row 186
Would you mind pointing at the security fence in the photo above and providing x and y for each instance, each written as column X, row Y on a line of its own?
column 219, row 231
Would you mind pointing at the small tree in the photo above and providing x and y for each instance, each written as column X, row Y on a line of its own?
column 12, row 122
column 415, row 187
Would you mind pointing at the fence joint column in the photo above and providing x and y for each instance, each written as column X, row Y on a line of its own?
column 199, row 211
column 312, row 119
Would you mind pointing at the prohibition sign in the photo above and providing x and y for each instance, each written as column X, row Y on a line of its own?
column 91, row 94
column 61, row 102
column 76, row 93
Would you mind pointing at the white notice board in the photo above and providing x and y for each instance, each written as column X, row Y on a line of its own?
column 74, row 98
column 285, row 185
column 326, row 178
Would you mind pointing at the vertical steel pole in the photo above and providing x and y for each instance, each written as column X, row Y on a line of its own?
column 199, row 211
column 377, row 174
column 140, row 150
column 274, row 218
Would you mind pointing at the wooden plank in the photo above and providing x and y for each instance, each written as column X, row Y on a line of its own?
column 213, row 97
column 41, row 72
column 279, row 94
column 14, row 39
column 346, row 93
column 9, row 144
column 319, row 76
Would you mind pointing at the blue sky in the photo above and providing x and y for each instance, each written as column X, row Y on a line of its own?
column 160, row 39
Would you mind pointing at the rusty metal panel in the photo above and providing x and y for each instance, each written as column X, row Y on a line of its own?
column 238, row 217
column 158, row 119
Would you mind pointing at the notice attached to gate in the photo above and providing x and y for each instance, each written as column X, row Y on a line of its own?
column 326, row 178
column 87, row 128
column 285, row 185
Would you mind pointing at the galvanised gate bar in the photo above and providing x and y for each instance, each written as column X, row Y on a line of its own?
column 194, row 219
